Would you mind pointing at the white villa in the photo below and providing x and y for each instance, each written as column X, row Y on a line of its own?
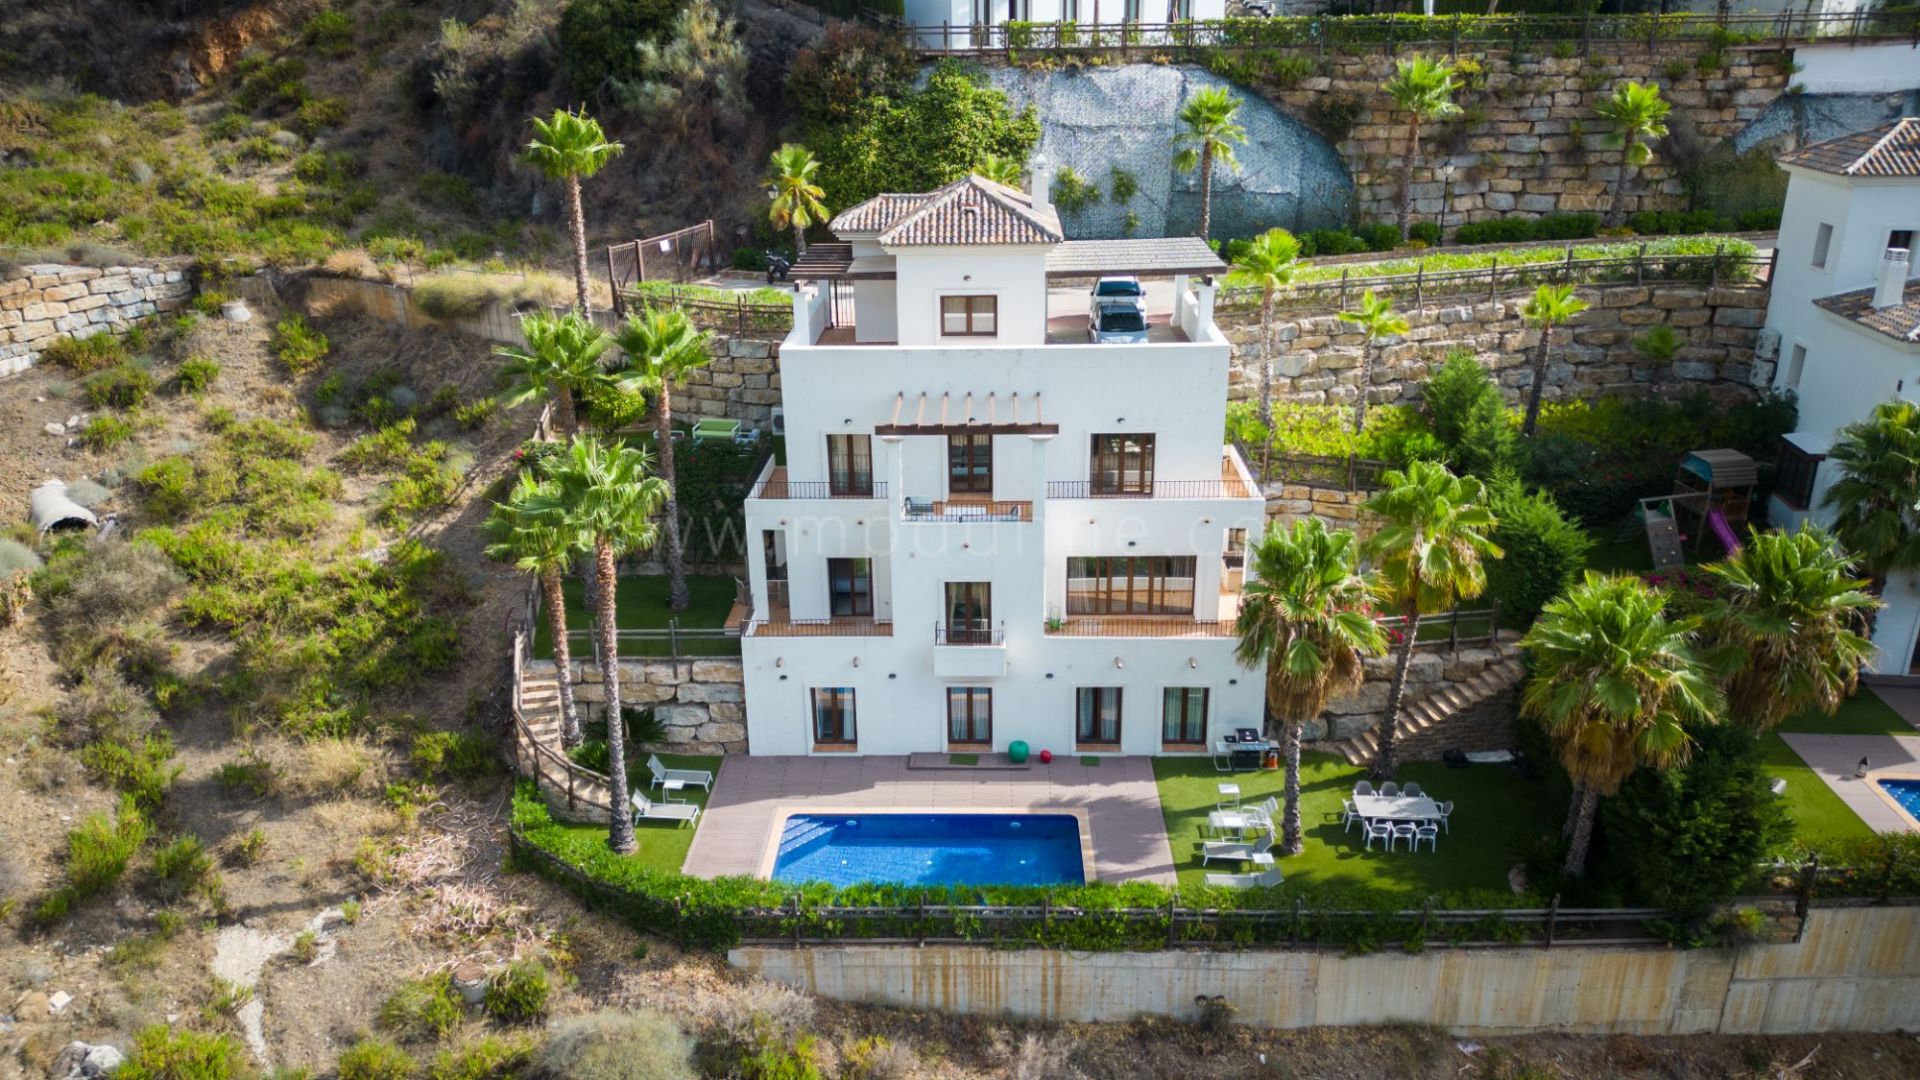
column 986, row 528
column 1845, row 320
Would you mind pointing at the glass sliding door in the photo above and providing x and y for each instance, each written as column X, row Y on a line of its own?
column 970, row 465
column 1097, row 716
column 970, row 714
column 1130, row 585
column 969, row 613
column 833, row 716
column 850, row 586
column 1122, row 465
column 850, row 465
column 1183, row 715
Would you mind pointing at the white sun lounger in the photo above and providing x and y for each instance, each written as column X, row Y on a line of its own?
column 699, row 778
column 1265, row 879
column 645, row 809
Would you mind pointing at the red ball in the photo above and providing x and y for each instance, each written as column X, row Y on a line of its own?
column 1046, row 757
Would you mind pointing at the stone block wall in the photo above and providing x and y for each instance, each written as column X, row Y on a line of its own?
column 1352, row 714
column 47, row 302
column 1318, row 357
column 1288, row 503
column 701, row 702
column 742, row 383
column 1528, row 141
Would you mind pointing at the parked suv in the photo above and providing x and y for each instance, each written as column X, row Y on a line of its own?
column 1117, row 288
column 1117, row 322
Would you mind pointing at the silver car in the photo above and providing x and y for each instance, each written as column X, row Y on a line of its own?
column 1117, row 322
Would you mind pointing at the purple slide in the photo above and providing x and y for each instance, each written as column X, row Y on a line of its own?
column 1717, row 521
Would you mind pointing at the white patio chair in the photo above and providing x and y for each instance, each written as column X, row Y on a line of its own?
column 1403, row 831
column 699, row 778
column 1236, row 850
column 1429, row 833
column 1348, row 815
column 1446, row 811
column 1389, row 790
column 1412, row 791
column 1378, row 830
column 1363, row 788
column 645, row 809
column 1265, row 879
column 1263, row 812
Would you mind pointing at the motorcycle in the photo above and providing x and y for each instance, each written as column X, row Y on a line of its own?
column 777, row 268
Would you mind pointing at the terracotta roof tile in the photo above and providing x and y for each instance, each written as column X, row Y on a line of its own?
column 876, row 214
column 1888, row 150
column 1901, row 321
column 971, row 210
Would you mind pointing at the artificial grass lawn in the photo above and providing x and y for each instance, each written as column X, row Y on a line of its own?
column 1496, row 813
column 663, row 844
column 1817, row 813
column 1861, row 714
column 641, row 602
column 963, row 759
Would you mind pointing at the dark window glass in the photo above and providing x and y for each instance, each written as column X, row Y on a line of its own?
column 1130, row 585
column 1183, row 715
column 970, row 714
column 1793, row 477
column 1097, row 718
column 850, row 464
column 850, row 584
column 969, row 613
column 970, row 464
column 1122, row 465
column 833, row 715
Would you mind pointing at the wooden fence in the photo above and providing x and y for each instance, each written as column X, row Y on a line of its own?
column 550, row 769
column 740, row 316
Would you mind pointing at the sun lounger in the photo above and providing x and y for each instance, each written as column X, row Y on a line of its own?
column 677, row 778
column 1265, row 879
column 645, row 809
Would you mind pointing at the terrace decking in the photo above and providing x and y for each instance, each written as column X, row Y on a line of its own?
column 1117, row 801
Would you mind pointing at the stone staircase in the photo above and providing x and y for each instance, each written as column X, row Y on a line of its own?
column 572, row 793
column 1424, row 720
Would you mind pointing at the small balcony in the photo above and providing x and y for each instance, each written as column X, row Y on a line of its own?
column 964, row 511
column 779, row 622
column 974, row 650
column 775, row 485
column 1232, row 484
column 1138, row 626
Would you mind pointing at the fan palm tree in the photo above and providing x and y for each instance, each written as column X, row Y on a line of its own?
column 1421, row 87
column 793, row 172
column 1548, row 307
column 1376, row 319
column 663, row 348
column 568, row 148
column 524, row 536
column 1614, row 683
column 1876, row 495
column 1269, row 264
column 561, row 359
column 1305, row 616
column 1207, row 135
column 1789, row 626
column 1639, row 116
column 1000, row 170
column 1429, row 554
column 606, row 498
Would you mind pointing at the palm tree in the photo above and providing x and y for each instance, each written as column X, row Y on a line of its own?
column 1639, row 116
column 1000, row 170
column 1429, row 553
column 1269, row 264
column 663, row 348
column 567, row 148
column 1789, row 625
column 1208, row 133
column 1376, row 319
column 561, row 359
column 1614, row 682
column 1548, row 307
column 606, row 498
column 1875, row 498
column 1304, row 615
column 792, row 172
column 1421, row 87
column 524, row 536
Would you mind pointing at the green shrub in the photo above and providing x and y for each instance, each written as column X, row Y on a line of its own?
column 105, row 433
column 454, row 754
column 421, row 1008
column 1071, row 192
column 123, row 386
column 329, row 32
column 1380, row 236
column 375, row 1059
column 196, row 374
column 161, row 1054
column 495, row 1058
column 250, row 776
column 609, row 1045
column 597, row 39
column 99, row 848
column 249, row 849
column 181, row 866
column 1325, row 242
column 429, row 479
column 773, row 1058
column 17, row 558
column 298, row 345
column 139, row 770
column 1427, row 232
column 81, row 355
column 384, row 449
column 1467, row 413
column 473, row 415
column 517, row 993
column 1544, row 552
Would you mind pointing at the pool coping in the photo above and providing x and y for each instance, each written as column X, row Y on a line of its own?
column 1873, row 779
column 1082, row 820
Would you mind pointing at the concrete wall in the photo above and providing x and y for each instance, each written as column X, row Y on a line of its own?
column 1857, row 969
column 47, row 302
column 1318, row 356
column 1858, row 69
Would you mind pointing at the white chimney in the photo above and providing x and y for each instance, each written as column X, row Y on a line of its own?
column 1040, row 182
column 1890, row 290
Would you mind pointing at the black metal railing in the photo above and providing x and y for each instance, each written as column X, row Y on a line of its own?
column 1138, row 626
column 817, row 489
column 1346, row 472
column 1154, row 489
column 836, row 626
column 931, row 510
column 978, row 633
column 1450, row 629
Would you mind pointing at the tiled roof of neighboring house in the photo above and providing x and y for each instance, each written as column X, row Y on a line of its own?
column 971, row 210
column 1889, row 150
column 1901, row 321
column 1138, row 255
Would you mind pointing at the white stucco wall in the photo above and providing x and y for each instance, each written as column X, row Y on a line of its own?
column 1015, row 275
column 1858, row 69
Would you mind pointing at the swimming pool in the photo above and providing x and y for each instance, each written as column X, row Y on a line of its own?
column 931, row 849
column 1906, row 793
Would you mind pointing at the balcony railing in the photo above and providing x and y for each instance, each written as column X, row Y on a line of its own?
column 838, row 626
column 1157, row 489
column 1142, row 626
column 970, row 635
column 937, row 510
column 776, row 488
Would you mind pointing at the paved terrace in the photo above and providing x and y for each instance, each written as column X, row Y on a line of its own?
column 1835, row 757
column 753, row 795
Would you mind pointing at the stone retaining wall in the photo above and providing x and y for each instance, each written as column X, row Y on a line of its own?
column 702, row 702
column 1363, row 709
column 1318, row 357
column 47, row 302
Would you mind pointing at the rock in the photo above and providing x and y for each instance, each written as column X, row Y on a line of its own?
column 60, row 1000
column 55, row 429
column 142, row 172
column 85, row 1061
column 285, row 138
column 236, row 310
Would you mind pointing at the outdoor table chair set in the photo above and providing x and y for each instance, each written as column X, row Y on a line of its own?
column 1394, row 814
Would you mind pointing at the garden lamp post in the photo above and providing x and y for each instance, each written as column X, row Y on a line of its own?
column 1446, row 197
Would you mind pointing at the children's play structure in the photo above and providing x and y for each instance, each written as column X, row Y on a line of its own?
column 1712, row 492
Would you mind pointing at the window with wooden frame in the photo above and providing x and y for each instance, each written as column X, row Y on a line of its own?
column 1130, row 585
column 969, row 613
column 969, row 316
column 850, row 586
column 1183, row 715
column 850, row 465
column 970, row 715
column 970, row 464
column 833, row 723
column 1122, row 465
column 1794, row 475
column 1097, row 716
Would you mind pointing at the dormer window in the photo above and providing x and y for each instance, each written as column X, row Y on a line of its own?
column 969, row 316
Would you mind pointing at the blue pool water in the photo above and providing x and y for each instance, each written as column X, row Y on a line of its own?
column 931, row 849
column 1906, row 793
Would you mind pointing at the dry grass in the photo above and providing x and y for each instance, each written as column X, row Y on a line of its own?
column 326, row 768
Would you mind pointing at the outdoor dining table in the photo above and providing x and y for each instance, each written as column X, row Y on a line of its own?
column 1396, row 807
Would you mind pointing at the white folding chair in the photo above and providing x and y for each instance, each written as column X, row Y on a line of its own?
column 1389, row 790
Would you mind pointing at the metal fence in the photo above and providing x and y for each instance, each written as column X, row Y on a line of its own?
column 1155, row 489
column 680, row 255
column 739, row 316
column 1347, row 472
column 1452, row 628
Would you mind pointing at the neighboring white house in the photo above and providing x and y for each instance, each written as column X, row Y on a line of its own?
column 987, row 528
column 951, row 23
column 1845, row 320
